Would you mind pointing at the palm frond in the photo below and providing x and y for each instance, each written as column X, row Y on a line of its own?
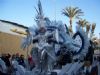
column 88, row 27
column 93, row 27
column 72, row 12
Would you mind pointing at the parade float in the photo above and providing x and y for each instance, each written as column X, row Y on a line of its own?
column 56, row 51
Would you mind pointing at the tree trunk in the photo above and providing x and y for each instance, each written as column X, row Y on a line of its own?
column 87, row 32
column 82, row 28
column 71, row 25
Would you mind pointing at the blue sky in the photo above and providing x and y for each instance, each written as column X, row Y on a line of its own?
column 23, row 12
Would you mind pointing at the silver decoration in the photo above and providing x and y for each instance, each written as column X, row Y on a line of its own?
column 44, row 53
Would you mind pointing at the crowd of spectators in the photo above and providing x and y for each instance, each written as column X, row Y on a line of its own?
column 8, row 59
column 20, row 58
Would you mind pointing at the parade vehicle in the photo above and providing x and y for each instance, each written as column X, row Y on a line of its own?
column 56, row 51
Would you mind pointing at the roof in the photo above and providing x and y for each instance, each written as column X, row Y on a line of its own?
column 16, row 24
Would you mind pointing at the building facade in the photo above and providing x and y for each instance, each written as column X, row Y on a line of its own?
column 11, row 35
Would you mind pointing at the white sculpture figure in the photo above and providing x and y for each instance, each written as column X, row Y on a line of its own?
column 49, row 38
column 42, row 37
column 42, row 50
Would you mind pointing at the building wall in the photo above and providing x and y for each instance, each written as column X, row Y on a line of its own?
column 10, row 42
column 6, row 28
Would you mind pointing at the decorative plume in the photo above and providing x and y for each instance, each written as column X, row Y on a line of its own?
column 40, row 8
column 39, row 17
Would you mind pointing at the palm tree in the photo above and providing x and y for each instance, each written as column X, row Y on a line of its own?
column 82, row 23
column 88, row 28
column 93, row 27
column 72, row 12
column 92, row 30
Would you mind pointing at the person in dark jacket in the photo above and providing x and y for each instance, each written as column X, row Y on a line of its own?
column 22, row 61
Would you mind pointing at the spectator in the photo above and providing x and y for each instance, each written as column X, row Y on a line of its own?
column 31, row 62
column 13, row 57
column 17, row 57
column 22, row 61
column 6, row 59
